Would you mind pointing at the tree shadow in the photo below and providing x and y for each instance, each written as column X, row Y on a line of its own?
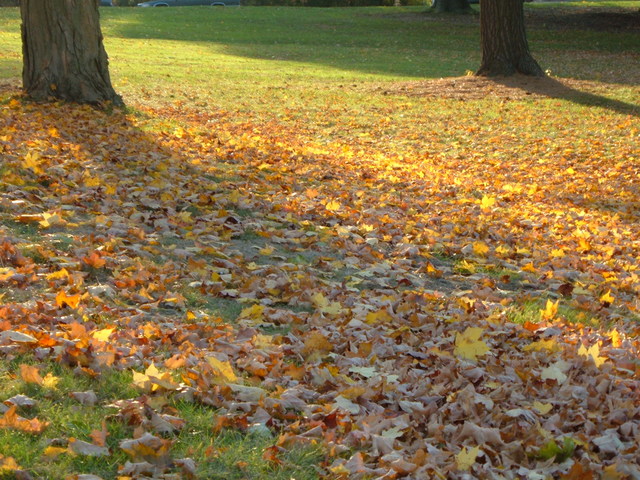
column 552, row 88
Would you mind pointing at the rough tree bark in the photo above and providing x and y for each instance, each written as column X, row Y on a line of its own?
column 441, row 6
column 63, row 54
column 505, row 50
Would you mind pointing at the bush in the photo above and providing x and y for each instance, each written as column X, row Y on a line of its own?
column 9, row 3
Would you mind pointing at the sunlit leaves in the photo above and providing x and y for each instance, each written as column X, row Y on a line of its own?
column 345, row 292
column 468, row 344
column 12, row 420
column 222, row 369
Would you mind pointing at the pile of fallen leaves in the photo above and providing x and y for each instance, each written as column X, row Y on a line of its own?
column 372, row 259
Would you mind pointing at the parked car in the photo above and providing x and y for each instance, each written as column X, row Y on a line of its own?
column 106, row 3
column 187, row 3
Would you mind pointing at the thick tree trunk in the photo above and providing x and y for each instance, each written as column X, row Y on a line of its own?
column 504, row 41
column 458, row 6
column 63, row 54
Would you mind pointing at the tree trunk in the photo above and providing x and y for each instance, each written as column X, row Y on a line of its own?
column 63, row 54
column 504, row 41
column 458, row 6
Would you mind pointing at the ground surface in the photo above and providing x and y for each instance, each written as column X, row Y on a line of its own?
column 345, row 276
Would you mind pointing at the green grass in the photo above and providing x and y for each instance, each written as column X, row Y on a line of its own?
column 199, row 56
column 219, row 455
column 530, row 311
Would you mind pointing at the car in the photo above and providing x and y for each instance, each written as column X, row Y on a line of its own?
column 106, row 3
column 187, row 3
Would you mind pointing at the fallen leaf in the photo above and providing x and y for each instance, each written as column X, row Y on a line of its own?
column 468, row 344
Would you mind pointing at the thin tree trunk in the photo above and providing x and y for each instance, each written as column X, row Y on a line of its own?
column 63, row 54
column 505, row 50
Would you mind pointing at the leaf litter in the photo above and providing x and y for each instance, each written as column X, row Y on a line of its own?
column 395, row 351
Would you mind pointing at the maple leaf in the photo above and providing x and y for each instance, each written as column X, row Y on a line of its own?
column 10, row 419
column 555, row 372
column 325, row 306
column 333, row 206
column 94, row 260
column 487, row 202
column 148, row 448
column 254, row 312
column 467, row 458
column 468, row 344
column 593, row 353
column 550, row 310
column 607, row 299
column 30, row 374
column 380, row 316
column 8, row 464
column 63, row 300
column 481, row 248
column 222, row 369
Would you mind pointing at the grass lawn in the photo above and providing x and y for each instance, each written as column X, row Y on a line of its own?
column 313, row 246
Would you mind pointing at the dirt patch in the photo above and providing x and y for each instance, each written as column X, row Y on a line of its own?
column 594, row 18
column 517, row 87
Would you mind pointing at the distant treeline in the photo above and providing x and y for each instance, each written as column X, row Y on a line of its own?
column 288, row 3
column 335, row 3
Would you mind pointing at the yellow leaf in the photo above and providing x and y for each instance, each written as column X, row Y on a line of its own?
column 480, row 248
column 234, row 196
column 50, row 219
column 469, row 345
column 542, row 408
column 555, row 372
column 550, row 345
column 8, row 464
column 222, row 369
column 325, row 306
column 487, row 202
column 32, row 161
column 529, row 268
column 333, row 206
column 90, row 181
column 253, row 312
column 550, row 310
column 466, row 458
column 557, row 253
column 59, row 275
column 50, row 381
column 266, row 251
column 352, row 393
column 53, row 452
column 104, row 334
column 140, row 380
column 317, row 343
column 616, row 338
column 593, row 352
column 380, row 316
column 185, row 217
column 607, row 298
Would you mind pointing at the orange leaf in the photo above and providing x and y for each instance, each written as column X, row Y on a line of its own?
column 62, row 300
column 30, row 374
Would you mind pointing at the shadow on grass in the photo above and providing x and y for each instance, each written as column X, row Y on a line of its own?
column 552, row 88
